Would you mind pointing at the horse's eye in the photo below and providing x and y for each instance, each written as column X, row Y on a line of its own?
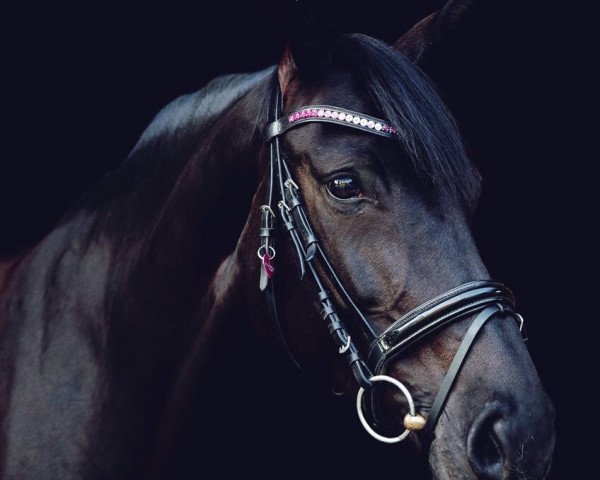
column 344, row 188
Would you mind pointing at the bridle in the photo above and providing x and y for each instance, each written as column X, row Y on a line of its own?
column 485, row 298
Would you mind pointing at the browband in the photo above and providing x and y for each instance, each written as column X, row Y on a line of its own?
column 329, row 114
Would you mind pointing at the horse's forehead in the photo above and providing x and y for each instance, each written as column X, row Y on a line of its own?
column 337, row 88
column 327, row 145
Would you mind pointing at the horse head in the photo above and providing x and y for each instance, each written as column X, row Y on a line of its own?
column 381, row 223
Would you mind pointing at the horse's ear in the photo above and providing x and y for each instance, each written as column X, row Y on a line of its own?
column 286, row 70
column 437, row 37
column 413, row 43
column 305, row 59
column 313, row 32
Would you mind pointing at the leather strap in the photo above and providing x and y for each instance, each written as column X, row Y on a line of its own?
column 266, row 233
column 447, row 308
column 313, row 249
column 457, row 362
column 273, row 315
column 305, row 242
column 330, row 114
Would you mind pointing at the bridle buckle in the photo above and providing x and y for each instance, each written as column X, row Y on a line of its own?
column 289, row 183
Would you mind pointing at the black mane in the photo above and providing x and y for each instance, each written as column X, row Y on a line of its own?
column 166, row 146
column 399, row 91
column 406, row 98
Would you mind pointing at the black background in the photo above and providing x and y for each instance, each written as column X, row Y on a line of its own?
column 84, row 80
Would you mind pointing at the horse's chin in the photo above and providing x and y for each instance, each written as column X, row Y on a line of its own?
column 448, row 460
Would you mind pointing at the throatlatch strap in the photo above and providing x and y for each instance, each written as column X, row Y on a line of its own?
column 273, row 315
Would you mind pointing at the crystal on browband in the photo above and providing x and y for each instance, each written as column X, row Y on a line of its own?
column 329, row 114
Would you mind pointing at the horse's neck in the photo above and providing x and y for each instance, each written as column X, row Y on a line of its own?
column 193, row 256
column 173, row 271
column 128, row 298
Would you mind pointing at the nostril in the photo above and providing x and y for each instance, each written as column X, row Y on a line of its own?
column 484, row 447
column 486, row 451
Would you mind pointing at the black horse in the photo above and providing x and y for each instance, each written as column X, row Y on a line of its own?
column 150, row 284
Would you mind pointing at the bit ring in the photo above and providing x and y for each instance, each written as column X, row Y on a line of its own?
column 361, row 416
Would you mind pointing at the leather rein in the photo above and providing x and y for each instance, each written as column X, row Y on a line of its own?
column 485, row 299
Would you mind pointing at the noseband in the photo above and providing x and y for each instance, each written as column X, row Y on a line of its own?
column 485, row 299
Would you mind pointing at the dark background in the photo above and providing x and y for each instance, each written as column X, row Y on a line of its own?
column 84, row 80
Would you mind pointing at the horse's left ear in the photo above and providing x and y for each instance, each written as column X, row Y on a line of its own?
column 433, row 41
column 312, row 33
column 286, row 70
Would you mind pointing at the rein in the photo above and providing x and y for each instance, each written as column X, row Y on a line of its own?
column 485, row 299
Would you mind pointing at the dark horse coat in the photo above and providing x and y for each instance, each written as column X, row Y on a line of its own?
column 140, row 311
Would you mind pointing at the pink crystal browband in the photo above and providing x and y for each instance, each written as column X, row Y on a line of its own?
column 329, row 114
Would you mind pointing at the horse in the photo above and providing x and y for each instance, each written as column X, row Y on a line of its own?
column 154, row 282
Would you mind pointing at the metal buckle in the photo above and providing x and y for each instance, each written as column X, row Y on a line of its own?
column 283, row 204
column 344, row 348
column 289, row 183
column 267, row 209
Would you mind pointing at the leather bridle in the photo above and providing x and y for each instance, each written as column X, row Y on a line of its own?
column 485, row 299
